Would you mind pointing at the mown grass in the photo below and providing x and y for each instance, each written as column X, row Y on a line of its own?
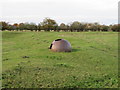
column 28, row 63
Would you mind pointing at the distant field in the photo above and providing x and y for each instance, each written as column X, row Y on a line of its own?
column 28, row 63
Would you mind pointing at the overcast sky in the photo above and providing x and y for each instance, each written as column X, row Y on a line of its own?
column 102, row 11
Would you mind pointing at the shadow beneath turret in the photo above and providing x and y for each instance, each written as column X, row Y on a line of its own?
column 75, row 50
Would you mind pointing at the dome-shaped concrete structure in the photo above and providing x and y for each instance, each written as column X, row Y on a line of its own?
column 60, row 45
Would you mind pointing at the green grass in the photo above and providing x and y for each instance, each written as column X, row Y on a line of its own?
column 93, row 63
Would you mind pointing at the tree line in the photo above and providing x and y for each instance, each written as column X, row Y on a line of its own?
column 51, row 25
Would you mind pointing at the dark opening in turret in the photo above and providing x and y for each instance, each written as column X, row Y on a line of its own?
column 58, row 39
column 50, row 46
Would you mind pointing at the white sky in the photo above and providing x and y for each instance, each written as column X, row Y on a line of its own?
column 66, row 11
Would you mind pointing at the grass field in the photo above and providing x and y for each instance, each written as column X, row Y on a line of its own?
column 28, row 63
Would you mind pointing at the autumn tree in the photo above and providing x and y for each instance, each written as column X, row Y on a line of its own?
column 82, row 26
column 49, row 24
column 75, row 26
column 115, row 27
column 63, row 27
column 4, row 26
column 21, row 26
column 10, row 27
column 104, row 27
column 15, row 26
